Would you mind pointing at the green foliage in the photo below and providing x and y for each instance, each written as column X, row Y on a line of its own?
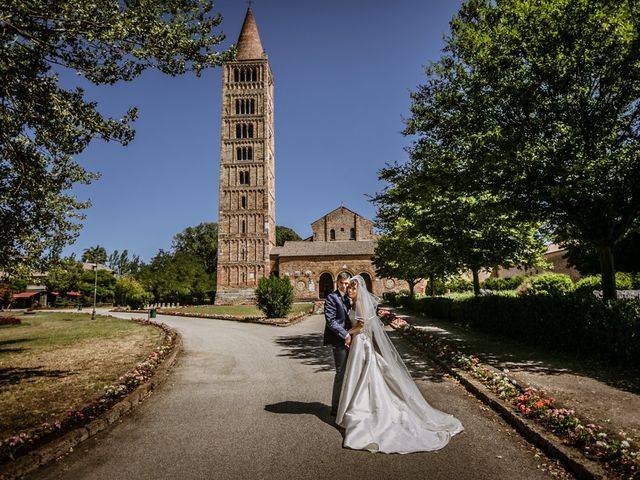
column 285, row 234
column 64, row 275
column 586, row 285
column 43, row 125
column 201, row 242
column 121, row 264
column 105, row 290
column 177, row 277
column 458, row 284
column 534, row 105
column 584, row 256
column 404, row 252
column 552, row 284
column 274, row 296
column 572, row 323
column 95, row 254
column 130, row 292
column 501, row 284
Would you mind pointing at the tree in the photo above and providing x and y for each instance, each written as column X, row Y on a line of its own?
column 454, row 225
column 105, row 289
column 403, row 252
column 42, row 125
column 545, row 94
column 200, row 241
column 285, row 234
column 177, row 277
column 95, row 254
column 128, row 291
column 626, row 252
column 121, row 265
column 64, row 275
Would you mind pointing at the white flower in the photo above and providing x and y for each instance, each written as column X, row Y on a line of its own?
column 625, row 444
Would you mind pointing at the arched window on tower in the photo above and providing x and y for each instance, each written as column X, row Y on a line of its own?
column 238, row 153
column 250, row 130
column 249, row 153
column 238, row 131
column 243, row 201
column 254, row 74
column 352, row 234
column 244, row 226
column 252, row 105
column 332, row 234
column 236, row 75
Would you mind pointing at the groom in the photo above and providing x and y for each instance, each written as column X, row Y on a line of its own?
column 336, row 314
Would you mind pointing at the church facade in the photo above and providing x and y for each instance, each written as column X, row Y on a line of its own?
column 341, row 241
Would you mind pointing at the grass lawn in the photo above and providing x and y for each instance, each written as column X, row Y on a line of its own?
column 55, row 362
column 239, row 310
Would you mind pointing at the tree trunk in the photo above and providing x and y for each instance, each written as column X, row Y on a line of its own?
column 432, row 287
column 412, row 286
column 607, row 272
column 476, row 282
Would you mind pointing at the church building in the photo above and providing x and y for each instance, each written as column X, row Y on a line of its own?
column 342, row 240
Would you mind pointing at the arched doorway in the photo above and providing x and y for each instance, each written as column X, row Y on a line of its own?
column 367, row 280
column 325, row 286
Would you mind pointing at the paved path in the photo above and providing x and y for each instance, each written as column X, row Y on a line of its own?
column 607, row 396
column 250, row 401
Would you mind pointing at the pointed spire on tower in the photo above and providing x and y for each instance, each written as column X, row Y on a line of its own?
column 249, row 46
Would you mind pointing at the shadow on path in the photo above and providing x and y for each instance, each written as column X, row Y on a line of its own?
column 308, row 348
column 292, row 407
column 516, row 356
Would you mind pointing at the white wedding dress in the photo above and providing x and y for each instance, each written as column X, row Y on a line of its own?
column 381, row 408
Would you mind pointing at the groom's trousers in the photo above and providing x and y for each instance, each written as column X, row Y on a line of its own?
column 340, row 358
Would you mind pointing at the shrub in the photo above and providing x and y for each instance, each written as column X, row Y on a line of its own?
column 138, row 300
column 458, row 285
column 553, row 284
column 586, row 285
column 274, row 296
column 500, row 284
column 571, row 323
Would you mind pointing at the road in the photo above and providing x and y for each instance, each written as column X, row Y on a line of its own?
column 249, row 401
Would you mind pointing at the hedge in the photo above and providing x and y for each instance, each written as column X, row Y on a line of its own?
column 571, row 323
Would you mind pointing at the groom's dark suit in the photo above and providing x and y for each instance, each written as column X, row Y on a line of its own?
column 336, row 314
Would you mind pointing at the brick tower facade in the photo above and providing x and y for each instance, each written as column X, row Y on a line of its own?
column 246, row 221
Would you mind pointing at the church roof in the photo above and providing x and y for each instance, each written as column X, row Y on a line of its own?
column 334, row 249
column 249, row 46
column 343, row 208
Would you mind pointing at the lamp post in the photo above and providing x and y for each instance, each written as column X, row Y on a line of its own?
column 95, row 281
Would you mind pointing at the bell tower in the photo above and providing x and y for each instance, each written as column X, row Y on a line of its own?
column 246, row 221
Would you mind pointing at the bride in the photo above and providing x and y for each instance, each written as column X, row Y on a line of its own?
column 381, row 408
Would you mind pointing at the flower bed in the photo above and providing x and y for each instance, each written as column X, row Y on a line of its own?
column 614, row 451
column 21, row 443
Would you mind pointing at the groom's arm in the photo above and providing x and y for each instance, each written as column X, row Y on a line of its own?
column 330, row 314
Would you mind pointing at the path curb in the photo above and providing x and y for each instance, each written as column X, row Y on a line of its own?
column 58, row 447
column 577, row 464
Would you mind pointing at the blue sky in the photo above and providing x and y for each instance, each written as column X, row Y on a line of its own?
column 343, row 71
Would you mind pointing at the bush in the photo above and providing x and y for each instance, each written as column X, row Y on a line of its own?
column 501, row 284
column 586, row 285
column 571, row 323
column 550, row 284
column 274, row 296
column 458, row 285
column 138, row 300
